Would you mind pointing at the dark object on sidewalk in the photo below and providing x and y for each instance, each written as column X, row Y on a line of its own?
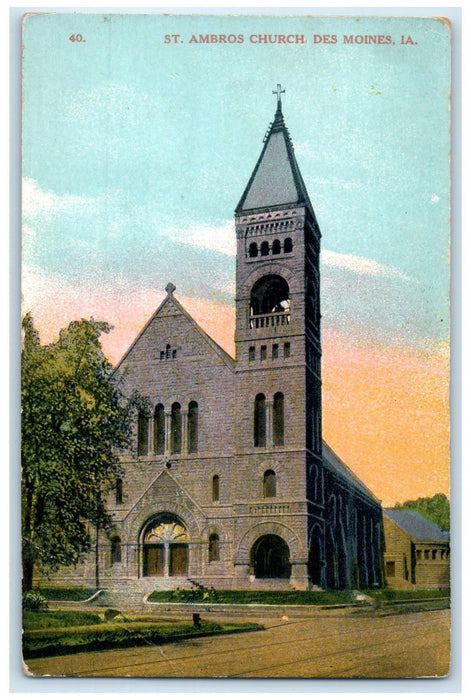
column 196, row 620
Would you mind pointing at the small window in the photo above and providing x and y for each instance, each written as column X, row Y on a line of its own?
column 434, row 553
column 263, row 352
column 274, row 351
column 193, row 427
column 167, row 352
column 253, row 250
column 426, row 554
column 119, row 491
column 259, row 423
column 390, row 568
column 215, row 488
column 159, row 429
column 174, row 354
column 287, row 350
column 288, row 245
column 276, row 247
column 278, row 420
column 115, row 550
column 213, row 547
column 176, row 428
column 251, row 353
column 162, row 354
column 142, row 434
column 269, row 484
column 418, row 554
column 264, row 248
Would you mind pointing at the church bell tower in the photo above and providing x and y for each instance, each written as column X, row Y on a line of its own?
column 277, row 337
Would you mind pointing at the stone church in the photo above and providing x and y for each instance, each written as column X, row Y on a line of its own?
column 228, row 482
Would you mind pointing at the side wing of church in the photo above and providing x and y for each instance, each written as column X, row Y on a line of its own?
column 227, row 481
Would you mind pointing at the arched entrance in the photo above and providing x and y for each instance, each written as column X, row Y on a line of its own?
column 269, row 557
column 165, row 547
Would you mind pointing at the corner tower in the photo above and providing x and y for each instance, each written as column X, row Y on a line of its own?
column 277, row 337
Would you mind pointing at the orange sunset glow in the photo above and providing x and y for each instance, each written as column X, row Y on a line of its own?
column 385, row 409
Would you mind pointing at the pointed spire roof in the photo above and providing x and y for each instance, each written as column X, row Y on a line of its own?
column 276, row 179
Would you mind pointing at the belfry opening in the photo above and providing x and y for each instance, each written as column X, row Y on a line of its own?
column 270, row 302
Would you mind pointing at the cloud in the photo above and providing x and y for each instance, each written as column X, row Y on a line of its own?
column 112, row 244
column 360, row 265
column 37, row 202
column 220, row 238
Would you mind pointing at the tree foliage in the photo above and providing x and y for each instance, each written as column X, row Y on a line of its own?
column 72, row 421
column 435, row 508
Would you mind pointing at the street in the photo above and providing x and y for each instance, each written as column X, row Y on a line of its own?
column 331, row 646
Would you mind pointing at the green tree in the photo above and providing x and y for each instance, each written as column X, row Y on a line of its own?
column 73, row 419
column 435, row 508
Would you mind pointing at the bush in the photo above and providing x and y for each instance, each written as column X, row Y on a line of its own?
column 196, row 594
column 34, row 601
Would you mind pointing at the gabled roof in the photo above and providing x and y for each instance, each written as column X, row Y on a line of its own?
column 276, row 179
column 334, row 464
column 171, row 301
column 418, row 527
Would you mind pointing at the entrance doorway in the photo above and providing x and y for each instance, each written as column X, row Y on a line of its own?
column 165, row 550
column 269, row 558
column 178, row 560
column 154, row 559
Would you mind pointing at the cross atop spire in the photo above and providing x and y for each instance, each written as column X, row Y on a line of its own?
column 278, row 93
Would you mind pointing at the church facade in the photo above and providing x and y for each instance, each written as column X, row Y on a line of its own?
column 228, row 481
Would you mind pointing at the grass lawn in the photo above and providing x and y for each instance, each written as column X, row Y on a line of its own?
column 66, row 593
column 250, row 597
column 389, row 594
column 287, row 597
column 65, row 632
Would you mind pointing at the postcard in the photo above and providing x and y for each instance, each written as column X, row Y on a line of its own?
column 235, row 353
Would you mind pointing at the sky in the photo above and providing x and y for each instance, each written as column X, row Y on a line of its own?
column 136, row 151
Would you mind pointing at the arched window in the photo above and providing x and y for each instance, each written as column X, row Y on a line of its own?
column 115, row 550
column 288, row 245
column 119, row 491
column 276, row 247
column 176, row 429
column 264, row 249
column 193, row 427
column 259, row 421
column 159, row 429
column 253, row 250
column 269, row 484
column 278, row 419
column 213, row 547
column 215, row 488
column 142, row 433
